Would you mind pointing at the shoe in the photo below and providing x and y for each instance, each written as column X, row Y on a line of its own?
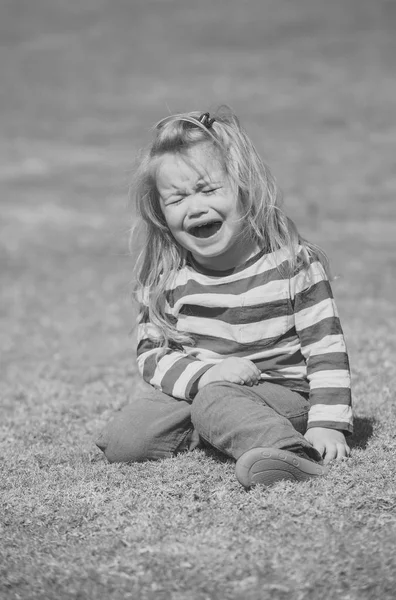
column 266, row 466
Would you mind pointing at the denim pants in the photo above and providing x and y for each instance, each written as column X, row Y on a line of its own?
column 232, row 418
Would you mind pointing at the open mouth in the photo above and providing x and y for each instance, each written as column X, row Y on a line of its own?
column 205, row 230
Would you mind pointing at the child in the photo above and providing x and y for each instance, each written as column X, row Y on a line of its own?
column 238, row 338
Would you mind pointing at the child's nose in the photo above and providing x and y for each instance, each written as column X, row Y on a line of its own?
column 196, row 206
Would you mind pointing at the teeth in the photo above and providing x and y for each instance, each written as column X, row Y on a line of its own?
column 206, row 229
column 207, row 224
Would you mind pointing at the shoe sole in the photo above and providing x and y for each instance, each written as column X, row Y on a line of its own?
column 266, row 466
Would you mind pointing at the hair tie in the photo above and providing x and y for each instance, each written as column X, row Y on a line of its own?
column 206, row 120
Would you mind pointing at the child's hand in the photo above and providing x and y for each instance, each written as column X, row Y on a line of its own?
column 329, row 442
column 235, row 370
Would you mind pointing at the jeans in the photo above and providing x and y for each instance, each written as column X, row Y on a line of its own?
column 232, row 418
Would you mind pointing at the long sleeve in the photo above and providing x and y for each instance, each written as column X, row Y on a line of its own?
column 169, row 370
column 323, row 347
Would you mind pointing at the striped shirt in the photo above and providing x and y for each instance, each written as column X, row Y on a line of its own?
column 288, row 326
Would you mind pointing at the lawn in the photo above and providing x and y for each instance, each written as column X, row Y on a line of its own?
column 82, row 82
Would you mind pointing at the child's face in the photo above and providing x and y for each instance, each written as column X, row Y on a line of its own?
column 201, row 208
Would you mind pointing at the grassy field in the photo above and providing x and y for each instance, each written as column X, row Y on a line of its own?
column 81, row 83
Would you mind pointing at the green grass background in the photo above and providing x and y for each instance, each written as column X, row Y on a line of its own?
column 82, row 81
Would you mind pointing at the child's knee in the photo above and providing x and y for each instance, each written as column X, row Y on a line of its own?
column 146, row 430
column 119, row 444
column 128, row 436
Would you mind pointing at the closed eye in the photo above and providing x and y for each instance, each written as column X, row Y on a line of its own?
column 175, row 200
column 209, row 191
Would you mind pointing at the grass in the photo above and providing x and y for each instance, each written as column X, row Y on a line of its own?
column 82, row 82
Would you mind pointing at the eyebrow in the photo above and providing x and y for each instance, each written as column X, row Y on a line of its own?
column 204, row 182
column 199, row 185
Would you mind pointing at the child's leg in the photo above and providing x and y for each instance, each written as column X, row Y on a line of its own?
column 151, row 427
column 235, row 418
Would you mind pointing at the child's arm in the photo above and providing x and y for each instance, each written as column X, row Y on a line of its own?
column 179, row 375
column 169, row 370
column 323, row 347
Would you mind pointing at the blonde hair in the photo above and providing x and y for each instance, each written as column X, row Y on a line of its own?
column 161, row 256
